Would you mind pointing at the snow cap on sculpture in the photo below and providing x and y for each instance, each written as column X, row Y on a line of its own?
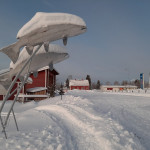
column 43, row 20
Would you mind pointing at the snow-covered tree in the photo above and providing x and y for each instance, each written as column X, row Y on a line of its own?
column 67, row 83
column 89, row 79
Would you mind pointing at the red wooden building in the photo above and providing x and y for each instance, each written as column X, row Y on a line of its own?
column 79, row 84
column 40, row 88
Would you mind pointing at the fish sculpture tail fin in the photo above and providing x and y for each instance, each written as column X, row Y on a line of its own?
column 12, row 51
column 5, row 84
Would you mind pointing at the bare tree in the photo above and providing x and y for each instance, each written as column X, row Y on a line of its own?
column 137, row 83
column 93, row 85
column 98, row 85
column 108, row 83
column 146, row 84
column 116, row 83
column 57, row 84
column 89, row 79
column 124, row 82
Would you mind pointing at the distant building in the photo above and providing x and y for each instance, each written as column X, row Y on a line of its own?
column 117, row 88
column 40, row 88
column 79, row 84
column 142, row 80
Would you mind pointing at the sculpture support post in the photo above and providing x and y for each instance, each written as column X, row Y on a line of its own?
column 15, row 120
column 11, row 108
column 3, row 127
column 17, row 76
column 9, row 94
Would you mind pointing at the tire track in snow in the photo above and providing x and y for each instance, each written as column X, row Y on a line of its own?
column 69, row 140
column 88, row 136
column 82, row 111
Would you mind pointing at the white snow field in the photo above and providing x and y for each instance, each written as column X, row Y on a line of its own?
column 83, row 120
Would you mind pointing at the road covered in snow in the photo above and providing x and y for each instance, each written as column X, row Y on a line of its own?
column 83, row 120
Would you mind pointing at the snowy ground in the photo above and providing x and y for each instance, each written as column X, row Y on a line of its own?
column 83, row 120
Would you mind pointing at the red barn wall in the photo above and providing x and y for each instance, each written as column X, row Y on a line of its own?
column 51, row 81
column 13, row 96
column 1, row 97
column 51, row 78
column 80, row 87
column 37, row 82
column 40, row 80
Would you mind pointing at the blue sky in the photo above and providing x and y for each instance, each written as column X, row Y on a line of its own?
column 116, row 45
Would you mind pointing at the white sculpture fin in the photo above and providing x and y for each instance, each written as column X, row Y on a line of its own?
column 35, row 74
column 46, row 46
column 65, row 39
column 29, row 80
column 12, row 51
column 6, row 86
column 29, row 49
column 51, row 66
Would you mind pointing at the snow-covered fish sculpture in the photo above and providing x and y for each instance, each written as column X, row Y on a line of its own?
column 55, row 54
column 45, row 28
column 41, row 59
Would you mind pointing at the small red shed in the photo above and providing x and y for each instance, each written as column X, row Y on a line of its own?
column 46, row 79
column 79, row 84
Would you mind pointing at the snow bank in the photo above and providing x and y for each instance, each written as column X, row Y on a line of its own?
column 88, row 120
column 137, row 92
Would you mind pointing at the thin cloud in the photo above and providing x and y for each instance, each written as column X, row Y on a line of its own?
column 48, row 3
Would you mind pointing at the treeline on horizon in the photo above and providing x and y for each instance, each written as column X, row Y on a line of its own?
column 96, row 85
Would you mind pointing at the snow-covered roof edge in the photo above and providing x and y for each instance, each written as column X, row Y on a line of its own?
column 47, row 67
column 36, row 89
column 78, row 83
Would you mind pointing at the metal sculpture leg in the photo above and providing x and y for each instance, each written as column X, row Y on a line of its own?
column 11, row 108
column 19, row 89
column 15, row 120
column 3, row 127
column 17, row 76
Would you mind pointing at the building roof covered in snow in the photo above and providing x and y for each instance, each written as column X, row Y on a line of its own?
column 78, row 83
column 119, row 86
column 47, row 67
